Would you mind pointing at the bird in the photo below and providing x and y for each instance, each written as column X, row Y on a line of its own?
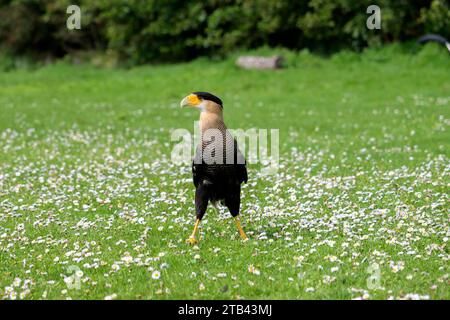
column 218, row 167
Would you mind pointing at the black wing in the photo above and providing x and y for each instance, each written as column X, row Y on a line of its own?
column 197, row 167
column 240, row 166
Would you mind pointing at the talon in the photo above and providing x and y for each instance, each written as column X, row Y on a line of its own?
column 245, row 239
column 191, row 241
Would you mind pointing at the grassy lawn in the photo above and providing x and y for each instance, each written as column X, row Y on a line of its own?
column 86, row 181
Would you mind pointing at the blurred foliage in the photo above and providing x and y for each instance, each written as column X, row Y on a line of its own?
column 137, row 31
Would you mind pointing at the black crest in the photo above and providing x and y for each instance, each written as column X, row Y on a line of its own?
column 208, row 96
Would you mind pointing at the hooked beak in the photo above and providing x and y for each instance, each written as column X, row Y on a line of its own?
column 184, row 102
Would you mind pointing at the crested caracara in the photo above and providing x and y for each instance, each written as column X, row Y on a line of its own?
column 218, row 167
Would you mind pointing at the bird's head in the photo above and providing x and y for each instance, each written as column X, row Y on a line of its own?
column 204, row 101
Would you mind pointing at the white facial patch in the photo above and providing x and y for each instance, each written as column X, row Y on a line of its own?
column 202, row 105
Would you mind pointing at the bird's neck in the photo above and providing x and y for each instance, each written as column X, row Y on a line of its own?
column 210, row 120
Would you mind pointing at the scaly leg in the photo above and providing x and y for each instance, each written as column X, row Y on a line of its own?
column 192, row 239
column 241, row 231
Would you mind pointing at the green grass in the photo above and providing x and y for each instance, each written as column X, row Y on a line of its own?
column 363, row 179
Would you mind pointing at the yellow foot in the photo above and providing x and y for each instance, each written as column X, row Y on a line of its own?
column 191, row 241
column 245, row 239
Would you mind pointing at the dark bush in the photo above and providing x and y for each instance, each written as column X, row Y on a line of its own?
column 38, row 28
column 172, row 30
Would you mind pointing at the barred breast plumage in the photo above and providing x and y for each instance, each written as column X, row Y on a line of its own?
column 218, row 161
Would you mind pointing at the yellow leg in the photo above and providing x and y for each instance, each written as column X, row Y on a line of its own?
column 241, row 231
column 192, row 239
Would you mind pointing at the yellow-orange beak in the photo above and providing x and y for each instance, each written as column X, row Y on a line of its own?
column 191, row 100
